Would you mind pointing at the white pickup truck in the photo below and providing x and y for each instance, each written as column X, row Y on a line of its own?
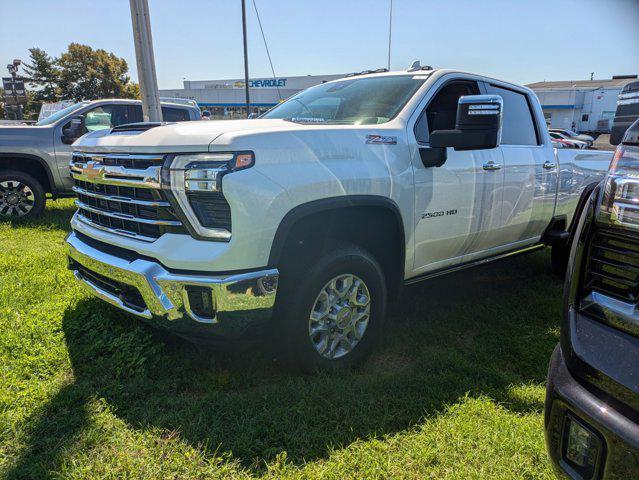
column 302, row 224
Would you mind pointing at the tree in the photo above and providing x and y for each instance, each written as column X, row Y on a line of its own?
column 132, row 90
column 42, row 74
column 88, row 74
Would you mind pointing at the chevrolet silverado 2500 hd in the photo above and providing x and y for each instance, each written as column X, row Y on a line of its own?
column 34, row 159
column 306, row 220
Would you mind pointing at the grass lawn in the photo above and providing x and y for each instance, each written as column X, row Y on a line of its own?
column 455, row 391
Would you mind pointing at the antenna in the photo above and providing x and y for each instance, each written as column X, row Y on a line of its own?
column 257, row 14
column 390, row 31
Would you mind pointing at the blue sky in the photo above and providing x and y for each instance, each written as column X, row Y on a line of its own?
column 517, row 40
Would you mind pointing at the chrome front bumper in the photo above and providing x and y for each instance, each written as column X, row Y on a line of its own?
column 237, row 300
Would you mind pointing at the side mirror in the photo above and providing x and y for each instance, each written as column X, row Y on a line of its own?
column 478, row 124
column 73, row 130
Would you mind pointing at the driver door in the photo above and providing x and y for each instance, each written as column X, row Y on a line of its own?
column 457, row 205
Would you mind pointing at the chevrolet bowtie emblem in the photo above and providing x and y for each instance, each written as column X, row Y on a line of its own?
column 93, row 170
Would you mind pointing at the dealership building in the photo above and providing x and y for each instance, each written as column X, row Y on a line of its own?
column 226, row 98
column 582, row 105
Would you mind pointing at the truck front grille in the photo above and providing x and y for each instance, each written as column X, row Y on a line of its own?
column 121, row 193
column 613, row 266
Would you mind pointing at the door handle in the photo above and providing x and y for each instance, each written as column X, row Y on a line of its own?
column 492, row 166
column 549, row 165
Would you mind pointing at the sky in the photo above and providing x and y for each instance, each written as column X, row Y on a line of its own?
column 516, row 40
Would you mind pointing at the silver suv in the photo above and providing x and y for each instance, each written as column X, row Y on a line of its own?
column 34, row 159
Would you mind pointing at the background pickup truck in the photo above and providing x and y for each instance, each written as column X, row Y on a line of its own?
column 34, row 159
column 322, row 209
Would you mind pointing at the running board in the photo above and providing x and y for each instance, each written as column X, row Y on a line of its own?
column 475, row 263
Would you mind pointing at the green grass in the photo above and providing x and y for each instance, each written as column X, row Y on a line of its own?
column 455, row 391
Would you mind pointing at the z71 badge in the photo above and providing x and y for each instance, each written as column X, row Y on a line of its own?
column 441, row 213
column 381, row 140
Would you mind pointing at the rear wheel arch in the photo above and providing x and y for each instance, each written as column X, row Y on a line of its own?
column 371, row 222
column 31, row 165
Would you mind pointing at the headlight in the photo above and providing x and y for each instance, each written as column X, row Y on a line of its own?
column 196, row 184
column 620, row 202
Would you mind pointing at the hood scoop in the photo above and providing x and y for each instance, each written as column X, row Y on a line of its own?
column 137, row 127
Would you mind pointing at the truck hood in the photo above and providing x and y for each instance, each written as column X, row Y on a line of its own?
column 176, row 137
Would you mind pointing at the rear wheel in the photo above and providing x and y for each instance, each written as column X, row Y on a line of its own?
column 21, row 195
column 331, row 312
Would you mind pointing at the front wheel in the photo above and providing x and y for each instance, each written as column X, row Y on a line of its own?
column 21, row 195
column 330, row 314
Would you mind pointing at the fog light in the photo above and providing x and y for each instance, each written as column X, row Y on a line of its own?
column 201, row 303
column 582, row 448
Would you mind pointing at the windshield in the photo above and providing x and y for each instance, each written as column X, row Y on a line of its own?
column 357, row 101
column 60, row 114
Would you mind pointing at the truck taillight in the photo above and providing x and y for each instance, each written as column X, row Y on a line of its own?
column 620, row 200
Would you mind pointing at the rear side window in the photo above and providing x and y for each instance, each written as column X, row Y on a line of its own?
column 170, row 114
column 518, row 126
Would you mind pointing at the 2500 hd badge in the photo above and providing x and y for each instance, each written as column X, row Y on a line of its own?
column 441, row 213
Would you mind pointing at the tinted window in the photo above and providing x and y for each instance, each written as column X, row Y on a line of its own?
column 136, row 113
column 170, row 114
column 518, row 127
column 106, row 116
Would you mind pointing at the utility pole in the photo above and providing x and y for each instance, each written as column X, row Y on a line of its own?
column 246, row 69
column 390, row 32
column 151, row 110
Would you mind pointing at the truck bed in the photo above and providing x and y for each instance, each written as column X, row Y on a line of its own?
column 577, row 170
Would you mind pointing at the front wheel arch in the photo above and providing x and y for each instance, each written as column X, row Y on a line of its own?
column 378, row 228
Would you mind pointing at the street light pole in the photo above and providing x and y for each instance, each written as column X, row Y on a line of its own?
column 390, row 32
column 246, row 68
column 140, row 18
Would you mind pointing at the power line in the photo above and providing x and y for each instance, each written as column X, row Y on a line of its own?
column 266, row 47
column 246, row 68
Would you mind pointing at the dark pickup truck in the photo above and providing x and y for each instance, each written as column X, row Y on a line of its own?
column 592, row 401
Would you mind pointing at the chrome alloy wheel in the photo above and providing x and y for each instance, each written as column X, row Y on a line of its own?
column 16, row 198
column 339, row 316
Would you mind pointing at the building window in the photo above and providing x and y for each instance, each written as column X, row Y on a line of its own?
column 584, row 117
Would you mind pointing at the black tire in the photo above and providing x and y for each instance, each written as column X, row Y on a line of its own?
column 299, row 288
column 33, row 203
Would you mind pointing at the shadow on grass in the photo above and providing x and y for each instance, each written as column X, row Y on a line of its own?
column 56, row 216
column 480, row 331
